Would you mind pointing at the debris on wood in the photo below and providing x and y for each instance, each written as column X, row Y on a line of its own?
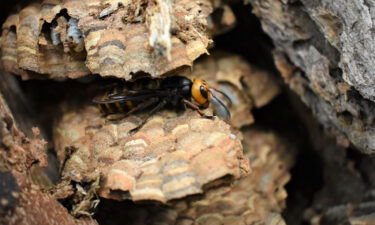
column 21, row 201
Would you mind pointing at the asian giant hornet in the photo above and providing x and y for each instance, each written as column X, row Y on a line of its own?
column 155, row 94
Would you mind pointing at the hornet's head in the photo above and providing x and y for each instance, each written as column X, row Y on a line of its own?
column 204, row 95
column 200, row 92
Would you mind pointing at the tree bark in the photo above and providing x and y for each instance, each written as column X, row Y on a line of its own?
column 21, row 201
column 324, row 51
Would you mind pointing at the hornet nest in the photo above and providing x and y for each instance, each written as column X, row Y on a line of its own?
column 70, row 39
column 169, row 158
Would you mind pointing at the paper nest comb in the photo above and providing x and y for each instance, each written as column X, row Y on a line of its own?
column 256, row 199
column 169, row 158
column 70, row 39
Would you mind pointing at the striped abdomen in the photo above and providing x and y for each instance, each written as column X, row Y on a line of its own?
column 123, row 107
column 118, row 107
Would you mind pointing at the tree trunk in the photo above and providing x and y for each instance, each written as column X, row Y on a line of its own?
column 324, row 50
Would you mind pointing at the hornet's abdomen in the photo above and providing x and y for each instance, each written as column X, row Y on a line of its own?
column 110, row 108
column 126, row 88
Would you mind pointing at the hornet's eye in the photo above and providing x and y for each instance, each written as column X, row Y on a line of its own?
column 200, row 92
column 203, row 91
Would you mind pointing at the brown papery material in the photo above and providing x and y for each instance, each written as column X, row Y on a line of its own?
column 258, row 198
column 70, row 39
column 168, row 158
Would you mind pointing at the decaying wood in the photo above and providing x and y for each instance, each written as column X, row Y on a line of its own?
column 352, row 214
column 326, row 56
column 21, row 108
column 341, row 180
column 21, row 201
column 70, row 39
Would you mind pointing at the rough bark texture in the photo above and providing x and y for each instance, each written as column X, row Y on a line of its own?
column 324, row 51
column 343, row 178
column 21, row 200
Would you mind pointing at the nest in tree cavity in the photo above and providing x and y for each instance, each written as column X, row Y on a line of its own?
column 173, row 157
column 183, row 166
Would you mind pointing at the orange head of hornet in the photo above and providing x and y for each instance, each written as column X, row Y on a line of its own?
column 204, row 95
column 200, row 92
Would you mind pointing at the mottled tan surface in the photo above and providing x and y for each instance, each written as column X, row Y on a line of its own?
column 258, row 198
column 119, row 37
column 169, row 158
column 329, row 48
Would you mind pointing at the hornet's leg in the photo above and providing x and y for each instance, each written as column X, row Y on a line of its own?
column 196, row 107
column 157, row 108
